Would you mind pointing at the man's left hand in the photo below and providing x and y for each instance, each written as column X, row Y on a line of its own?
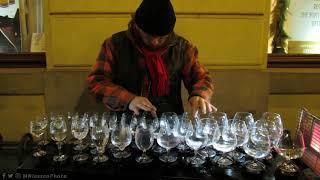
column 198, row 103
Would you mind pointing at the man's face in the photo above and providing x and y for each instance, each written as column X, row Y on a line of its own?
column 153, row 42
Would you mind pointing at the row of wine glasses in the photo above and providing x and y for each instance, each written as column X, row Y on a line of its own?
column 204, row 134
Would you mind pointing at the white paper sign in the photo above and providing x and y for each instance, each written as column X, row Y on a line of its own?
column 304, row 20
column 9, row 11
column 37, row 42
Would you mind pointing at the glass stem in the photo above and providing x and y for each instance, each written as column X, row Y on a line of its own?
column 59, row 148
column 195, row 154
column 144, row 154
column 168, row 153
column 81, row 146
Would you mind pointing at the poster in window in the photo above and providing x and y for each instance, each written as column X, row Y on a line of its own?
column 10, row 40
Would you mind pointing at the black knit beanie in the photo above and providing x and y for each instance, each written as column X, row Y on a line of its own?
column 155, row 17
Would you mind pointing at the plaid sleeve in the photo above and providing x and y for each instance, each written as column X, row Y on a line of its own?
column 196, row 78
column 100, row 84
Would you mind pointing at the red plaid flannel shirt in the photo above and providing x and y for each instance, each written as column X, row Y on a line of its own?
column 116, row 98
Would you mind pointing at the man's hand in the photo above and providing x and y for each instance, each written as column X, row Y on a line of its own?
column 198, row 103
column 141, row 103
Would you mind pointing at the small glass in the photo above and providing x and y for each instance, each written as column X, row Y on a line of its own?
column 290, row 147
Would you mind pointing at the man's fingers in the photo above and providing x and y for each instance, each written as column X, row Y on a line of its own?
column 136, row 111
column 209, row 107
column 203, row 107
column 214, row 109
column 148, row 104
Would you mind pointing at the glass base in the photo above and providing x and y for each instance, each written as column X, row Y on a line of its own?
column 39, row 153
column 100, row 159
column 80, row 147
column 269, row 156
column 168, row 158
column 207, row 152
column 122, row 154
column 60, row 158
column 255, row 167
column 288, row 168
column 195, row 161
column 158, row 149
column 80, row 157
column 43, row 142
column 93, row 151
column 236, row 155
column 224, row 161
column 144, row 159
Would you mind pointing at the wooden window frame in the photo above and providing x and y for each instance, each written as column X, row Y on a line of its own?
column 23, row 60
column 293, row 61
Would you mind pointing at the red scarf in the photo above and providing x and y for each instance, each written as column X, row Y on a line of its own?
column 158, row 71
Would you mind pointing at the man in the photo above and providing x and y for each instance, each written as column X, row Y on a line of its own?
column 141, row 69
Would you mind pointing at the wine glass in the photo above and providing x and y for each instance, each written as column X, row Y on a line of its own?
column 37, row 129
column 58, row 130
column 168, row 136
column 100, row 137
column 290, row 146
column 195, row 140
column 246, row 117
column 144, row 139
column 121, row 137
column 239, row 127
column 111, row 118
column 80, row 129
column 225, row 140
column 173, row 118
column 273, row 122
column 185, row 126
column 93, row 121
column 210, row 128
column 258, row 146
column 44, row 138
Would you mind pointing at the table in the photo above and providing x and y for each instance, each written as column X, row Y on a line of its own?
column 19, row 162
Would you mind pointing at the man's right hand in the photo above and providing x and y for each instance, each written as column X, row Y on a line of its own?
column 141, row 103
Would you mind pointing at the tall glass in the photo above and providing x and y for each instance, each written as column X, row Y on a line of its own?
column 226, row 139
column 100, row 137
column 121, row 137
column 80, row 129
column 210, row 128
column 239, row 127
column 144, row 139
column 195, row 140
column 168, row 136
column 273, row 122
column 185, row 126
column 58, row 130
column 38, row 129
